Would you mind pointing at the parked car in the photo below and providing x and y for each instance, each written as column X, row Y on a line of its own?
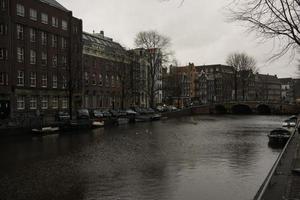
column 97, row 118
column 62, row 116
column 83, row 114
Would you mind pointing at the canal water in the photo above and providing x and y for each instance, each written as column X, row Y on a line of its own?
column 190, row 158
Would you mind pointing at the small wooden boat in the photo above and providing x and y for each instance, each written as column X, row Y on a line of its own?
column 279, row 135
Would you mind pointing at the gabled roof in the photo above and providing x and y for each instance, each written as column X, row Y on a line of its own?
column 54, row 4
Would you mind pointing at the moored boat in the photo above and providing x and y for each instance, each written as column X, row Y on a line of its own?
column 279, row 135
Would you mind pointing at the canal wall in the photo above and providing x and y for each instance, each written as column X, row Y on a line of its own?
column 282, row 182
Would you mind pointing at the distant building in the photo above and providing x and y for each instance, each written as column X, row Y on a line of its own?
column 214, row 83
column 267, row 88
column 287, row 90
column 40, row 48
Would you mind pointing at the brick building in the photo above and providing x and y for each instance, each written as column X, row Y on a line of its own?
column 40, row 48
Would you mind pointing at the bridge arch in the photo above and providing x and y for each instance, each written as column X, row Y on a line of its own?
column 220, row 109
column 241, row 109
column 263, row 109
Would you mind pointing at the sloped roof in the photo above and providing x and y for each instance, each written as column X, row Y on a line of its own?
column 54, row 4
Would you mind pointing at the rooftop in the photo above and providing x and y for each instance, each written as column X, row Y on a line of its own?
column 54, row 4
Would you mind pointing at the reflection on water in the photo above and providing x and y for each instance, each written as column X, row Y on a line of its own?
column 202, row 157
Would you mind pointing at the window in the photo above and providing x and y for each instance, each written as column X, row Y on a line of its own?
column 3, row 54
column 21, row 102
column 44, row 103
column 33, row 14
column 55, row 102
column 64, row 25
column 33, row 103
column 106, row 81
column 44, row 18
column 54, row 61
column 64, row 61
column 32, row 35
column 65, row 103
column 3, row 4
column 44, row 58
column 32, row 57
column 20, row 78
column 54, row 41
column 63, row 43
column 64, row 82
column 44, row 38
column 20, row 55
column 20, row 32
column 3, row 78
column 86, row 78
column 100, row 80
column 112, row 81
column 3, row 29
column 20, row 10
column 32, row 79
column 54, row 81
column 94, row 82
column 55, row 22
column 44, row 81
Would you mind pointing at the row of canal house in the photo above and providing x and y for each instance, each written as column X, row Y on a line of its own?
column 216, row 84
column 48, row 64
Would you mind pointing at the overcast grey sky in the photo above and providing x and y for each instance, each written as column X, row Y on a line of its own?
column 198, row 29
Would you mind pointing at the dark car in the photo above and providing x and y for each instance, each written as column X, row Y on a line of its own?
column 83, row 114
column 62, row 116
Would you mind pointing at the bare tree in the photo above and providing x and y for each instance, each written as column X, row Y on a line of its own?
column 244, row 67
column 271, row 19
column 156, row 53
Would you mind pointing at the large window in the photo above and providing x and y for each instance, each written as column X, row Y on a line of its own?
column 3, row 78
column 63, row 43
column 3, row 29
column 44, row 18
column 20, row 10
column 33, row 103
column 32, row 35
column 3, row 4
column 94, row 82
column 55, row 22
column 20, row 54
column 100, row 80
column 54, row 81
column 44, row 58
column 20, row 78
column 64, row 82
column 33, row 14
column 21, row 102
column 32, row 79
column 32, row 57
column 64, row 25
column 3, row 54
column 54, row 41
column 86, row 78
column 54, row 60
column 65, row 103
column 20, row 32
column 44, row 81
column 44, row 102
column 55, row 103
column 64, row 61
column 44, row 38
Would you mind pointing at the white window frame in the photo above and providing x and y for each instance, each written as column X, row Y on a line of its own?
column 100, row 79
column 33, row 14
column 64, row 103
column 32, row 35
column 20, row 32
column 54, row 81
column 20, row 78
column 20, row 54
column 44, row 59
column 44, row 81
column 44, row 18
column 32, row 57
column 54, row 41
column 64, row 82
column 44, row 38
column 54, row 60
column 44, row 103
column 32, row 79
column 54, row 102
column 55, row 22
column 94, row 81
column 20, row 102
column 20, row 10
column 64, row 25
column 33, row 103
